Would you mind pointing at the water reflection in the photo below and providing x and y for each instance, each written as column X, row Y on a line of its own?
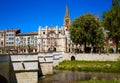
column 72, row 77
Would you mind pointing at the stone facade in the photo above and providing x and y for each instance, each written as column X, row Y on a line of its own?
column 54, row 38
column 27, row 77
column 24, row 69
column 51, row 39
column 45, row 63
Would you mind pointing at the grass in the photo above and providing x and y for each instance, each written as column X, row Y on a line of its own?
column 92, row 66
column 101, row 81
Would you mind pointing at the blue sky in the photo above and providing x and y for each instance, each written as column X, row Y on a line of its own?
column 27, row 15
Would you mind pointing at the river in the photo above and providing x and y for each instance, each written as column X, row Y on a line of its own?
column 72, row 77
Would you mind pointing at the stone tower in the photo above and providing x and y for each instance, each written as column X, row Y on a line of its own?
column 67, row 19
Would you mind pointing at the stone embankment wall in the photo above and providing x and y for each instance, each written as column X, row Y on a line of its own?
column 45, row 63
column 92, row 57
column 4, row 66
column 24, row 69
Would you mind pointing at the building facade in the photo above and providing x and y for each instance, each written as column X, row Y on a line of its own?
column 47, row 39
column 2, row 41
column 55, row 38
column 7, row 40
column 26, row 43
column 51, row 39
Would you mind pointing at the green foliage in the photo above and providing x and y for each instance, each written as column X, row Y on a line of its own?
column 86, row 30
column 95, row 80
column 118, row 64
column 92, row 66
column 111, row 21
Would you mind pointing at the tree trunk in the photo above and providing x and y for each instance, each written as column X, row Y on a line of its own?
column 92, row 49
column 85, row 47
column 116, row 46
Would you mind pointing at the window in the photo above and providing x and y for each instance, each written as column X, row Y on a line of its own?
column 21, row 38
column 24, row 43
column 2, row 34
column 2, row 43
column 12, row 42
column 7, row 42
column 32, row 37
column 12, row 34
column 6, row 34
column 24, row 39
column 11, row 38
column 17, row 39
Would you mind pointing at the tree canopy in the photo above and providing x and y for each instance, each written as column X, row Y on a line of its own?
column 111, row 21
column 85, row 30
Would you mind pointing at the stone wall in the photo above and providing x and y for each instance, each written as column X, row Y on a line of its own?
column 92, row 57
column 45, row 63
column 4, row 66
column 27, row 77
column 24, row 69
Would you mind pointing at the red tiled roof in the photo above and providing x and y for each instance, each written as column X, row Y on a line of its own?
column 27, row 34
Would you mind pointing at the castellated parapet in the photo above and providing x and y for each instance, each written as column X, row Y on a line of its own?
column 51, row 39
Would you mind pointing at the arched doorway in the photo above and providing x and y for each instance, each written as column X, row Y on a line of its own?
column 52, row 49
column 72, row 58
column 3, row 79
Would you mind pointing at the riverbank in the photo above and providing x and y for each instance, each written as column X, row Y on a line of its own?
column 101, row 81
column 66, row 76
column 90, row 66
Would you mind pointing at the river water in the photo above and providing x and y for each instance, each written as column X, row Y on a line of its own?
column 72, row 77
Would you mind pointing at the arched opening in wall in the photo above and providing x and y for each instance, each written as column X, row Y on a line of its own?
column 52, row 49
column 69, row 49
column 72, row 58
column 3, row 79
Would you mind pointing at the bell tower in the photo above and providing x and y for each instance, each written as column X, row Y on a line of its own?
column 67, row 19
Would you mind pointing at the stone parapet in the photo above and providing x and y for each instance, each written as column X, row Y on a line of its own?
column 24, row 68
column 46, row 64
column 92, row 57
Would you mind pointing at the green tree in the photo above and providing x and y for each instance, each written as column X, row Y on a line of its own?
column 85, row 29
column 111, row 21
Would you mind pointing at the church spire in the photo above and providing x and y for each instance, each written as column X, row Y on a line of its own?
column 67, row 12
column 67, row 19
